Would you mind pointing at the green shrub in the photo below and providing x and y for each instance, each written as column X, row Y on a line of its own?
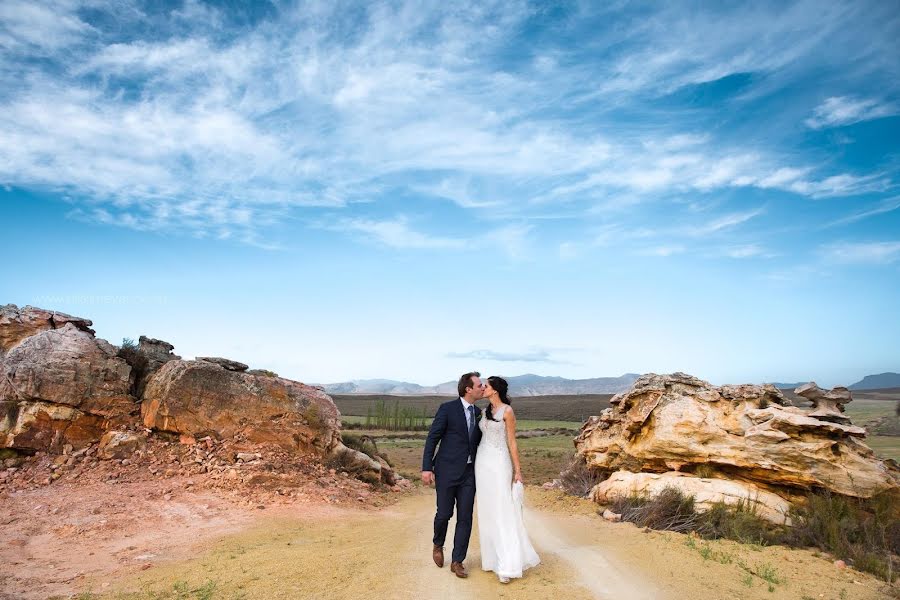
column 865, row 533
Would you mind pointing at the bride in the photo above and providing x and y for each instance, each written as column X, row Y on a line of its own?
column 505, row 547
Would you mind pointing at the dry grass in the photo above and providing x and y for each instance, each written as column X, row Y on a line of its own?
column 578, row 479
column 864, row 533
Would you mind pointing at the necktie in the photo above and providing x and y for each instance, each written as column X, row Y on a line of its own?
column 471, row 421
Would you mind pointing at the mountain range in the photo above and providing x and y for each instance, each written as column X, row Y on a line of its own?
column 520, row 385
column 537, row 385
column 877, row 382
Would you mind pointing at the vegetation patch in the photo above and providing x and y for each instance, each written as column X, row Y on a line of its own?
column 864, row 533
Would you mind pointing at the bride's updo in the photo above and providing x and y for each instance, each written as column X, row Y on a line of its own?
column 499, row 384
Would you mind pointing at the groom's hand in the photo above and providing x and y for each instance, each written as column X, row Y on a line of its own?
column 428, row 477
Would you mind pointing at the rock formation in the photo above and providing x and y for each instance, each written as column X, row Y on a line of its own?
column 62, row 390
column 197, row 398
column 682, row 427
column 226, row 363
column 58, row 383
column 17, row 324
column 827, row 406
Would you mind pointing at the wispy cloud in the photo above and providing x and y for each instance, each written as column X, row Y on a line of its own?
column 663, row 251
column 210, row 122
column 536, row 356
column 862, row 252
column 885, row 206
column 846, row 110
column 722, row 223
column 396, row 233
column 748, row 251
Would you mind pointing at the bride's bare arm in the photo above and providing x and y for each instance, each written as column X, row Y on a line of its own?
column 509, row 418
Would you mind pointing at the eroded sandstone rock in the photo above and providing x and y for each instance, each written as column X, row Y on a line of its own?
column 706, row 492
column 827, row 405
column 748, row 432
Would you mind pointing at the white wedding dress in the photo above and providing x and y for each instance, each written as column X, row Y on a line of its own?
column 505, row 547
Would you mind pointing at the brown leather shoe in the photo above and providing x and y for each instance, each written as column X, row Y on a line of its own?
column 438, row 555
column 458, row 569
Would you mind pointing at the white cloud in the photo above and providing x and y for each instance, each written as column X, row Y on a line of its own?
column 846, row 110
column 175, row 131
column 862, row 252
column 536, row 356
column 885, row 206
column 721, row 223
column 667, row 250
column 747, row 251
column 396, row 233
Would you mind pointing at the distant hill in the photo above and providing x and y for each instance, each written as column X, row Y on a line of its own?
column 877, row 382
column 519, row 385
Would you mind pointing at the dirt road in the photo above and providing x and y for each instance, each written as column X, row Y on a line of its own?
column 347, row 553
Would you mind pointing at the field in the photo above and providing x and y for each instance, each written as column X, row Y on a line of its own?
column 554, row 408
column 544, row 457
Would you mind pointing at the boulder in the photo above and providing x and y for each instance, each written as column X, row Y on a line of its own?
column 61, row 385
column 197, row 398
column 706, row 492
column 145, row 359
column 360, row 464
column 16, row 323
column 120, row 444
column 231, row 365
column 746, row 432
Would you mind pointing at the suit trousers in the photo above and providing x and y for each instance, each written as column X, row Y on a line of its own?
column 460, row 492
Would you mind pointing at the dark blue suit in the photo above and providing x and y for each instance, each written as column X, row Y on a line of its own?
column 454, row 477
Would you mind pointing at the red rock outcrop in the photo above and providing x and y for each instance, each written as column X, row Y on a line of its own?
column 197, row 398
column 58, row 383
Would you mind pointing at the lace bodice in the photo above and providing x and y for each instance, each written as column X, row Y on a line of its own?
column 493, row 433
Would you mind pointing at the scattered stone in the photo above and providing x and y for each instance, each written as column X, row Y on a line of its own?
column 611, row 516
column 120, row 444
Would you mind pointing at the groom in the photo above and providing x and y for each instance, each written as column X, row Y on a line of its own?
column 452, row 471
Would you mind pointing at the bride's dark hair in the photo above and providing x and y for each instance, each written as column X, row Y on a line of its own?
column 499, row 384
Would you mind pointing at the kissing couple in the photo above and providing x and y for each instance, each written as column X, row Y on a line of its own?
column 476, row 449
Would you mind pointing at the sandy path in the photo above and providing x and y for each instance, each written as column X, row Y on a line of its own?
column 347, row 552
column 386, row 555
column 559, row 535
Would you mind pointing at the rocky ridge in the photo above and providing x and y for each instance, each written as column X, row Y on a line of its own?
column 71, row 403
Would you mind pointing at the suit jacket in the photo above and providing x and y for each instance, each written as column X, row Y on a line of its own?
column 449, row 428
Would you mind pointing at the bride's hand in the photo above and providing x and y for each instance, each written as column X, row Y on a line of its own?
column 518, row 477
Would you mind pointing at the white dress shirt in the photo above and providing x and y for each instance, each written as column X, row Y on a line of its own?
column 469, row 417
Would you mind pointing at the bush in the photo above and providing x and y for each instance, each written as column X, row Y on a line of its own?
column 739, row 522
column 670, row 510
column 137, row 360
column 578, row 479
column 865, row 533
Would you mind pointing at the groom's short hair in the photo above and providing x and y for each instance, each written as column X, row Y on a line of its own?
column 466, row 381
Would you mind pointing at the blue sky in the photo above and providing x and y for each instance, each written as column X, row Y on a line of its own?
column 406, row 190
